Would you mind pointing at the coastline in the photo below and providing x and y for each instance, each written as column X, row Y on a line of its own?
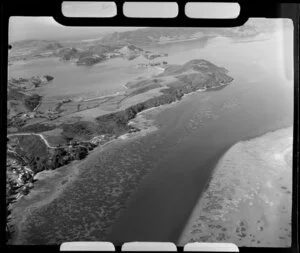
column 136, row 118
column 243, row 203
column 84, row 198
column 42, row 194
column 51, row 184
column 165, row 106
column 145, row 125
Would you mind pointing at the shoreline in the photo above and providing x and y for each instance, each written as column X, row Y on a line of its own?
column 40, row 195
column 20, row 214
column 98, row 149
column 60, row 179
column 165, row 106
column 64, row 176
column 146, row 126
column 170, row 97
column 144, row 129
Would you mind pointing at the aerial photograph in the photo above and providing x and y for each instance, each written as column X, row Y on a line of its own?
column 168, row 134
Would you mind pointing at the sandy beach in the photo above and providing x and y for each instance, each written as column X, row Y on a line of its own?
column 248, row 200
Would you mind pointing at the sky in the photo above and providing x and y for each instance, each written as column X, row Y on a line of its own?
column 46, row 28
column 23, row 28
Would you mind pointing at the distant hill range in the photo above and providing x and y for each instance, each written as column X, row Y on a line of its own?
column 82, row 54
column 130, row 44
column 149, row 36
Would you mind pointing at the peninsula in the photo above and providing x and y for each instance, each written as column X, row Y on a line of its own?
column 41, row 142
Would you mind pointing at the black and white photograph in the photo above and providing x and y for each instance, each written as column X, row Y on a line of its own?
column 163, row 134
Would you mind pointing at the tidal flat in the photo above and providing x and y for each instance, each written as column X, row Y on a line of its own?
column 248, row 200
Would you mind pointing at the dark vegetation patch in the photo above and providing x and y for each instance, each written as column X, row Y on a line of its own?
column 32, row 101
column 115, row 123
column 197, row 231
column 37, row 128
column 15, row 122
column 144, row 89
column 14, row 94
column 53, row 46
column 89, row 61
column 204, row 238
column 221, row 237
column 142, row 83
column 39, row 157
column 32, row 144
column 34, row 151
column 79, row 130
column 67, row 54
column 64, row 181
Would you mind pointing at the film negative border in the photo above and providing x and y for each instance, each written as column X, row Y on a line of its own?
column 276, row 9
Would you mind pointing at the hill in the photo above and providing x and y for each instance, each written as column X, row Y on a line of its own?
column 194, row 75
column 30, row 49
column 22, row 101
